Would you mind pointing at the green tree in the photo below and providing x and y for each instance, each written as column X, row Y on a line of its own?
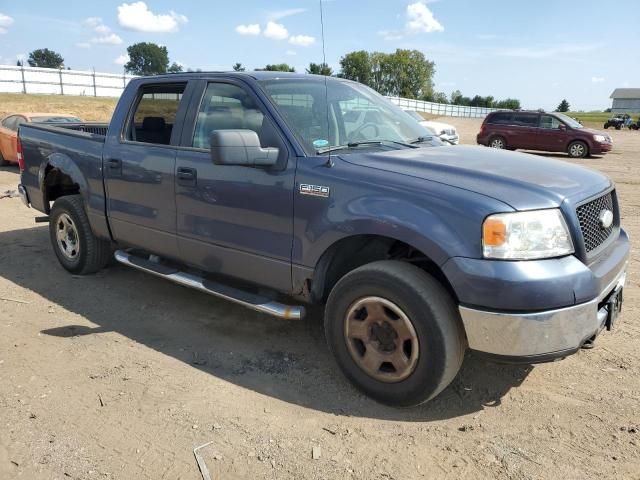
column 175, row 68
column 436, row 97
column 238, row 68
column 45, row 58
column 320, row 69
column 147, row 59
column 356, row 66
column 278, row 67
column 563, row 106
column 510, row 103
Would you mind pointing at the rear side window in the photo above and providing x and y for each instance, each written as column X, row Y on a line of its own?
column 499, row 119
column 154, row 116
column 11, row 122
column 525, row 120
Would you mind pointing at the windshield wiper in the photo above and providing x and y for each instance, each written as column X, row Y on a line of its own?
column 366, row 143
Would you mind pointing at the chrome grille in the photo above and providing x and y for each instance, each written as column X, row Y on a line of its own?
column 589, row 217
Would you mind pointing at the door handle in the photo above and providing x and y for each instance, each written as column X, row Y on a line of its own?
column 187, row 176
column 115, row 163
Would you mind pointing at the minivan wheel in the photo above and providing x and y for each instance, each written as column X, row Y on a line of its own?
column 395, row 332
column 578, row 149
column 498, row 142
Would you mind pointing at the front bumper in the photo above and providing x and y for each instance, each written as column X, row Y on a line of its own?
column 538, row 336
column 601, row 148
column 24, row 196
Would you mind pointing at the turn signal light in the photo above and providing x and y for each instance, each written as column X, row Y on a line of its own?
column 494, row 232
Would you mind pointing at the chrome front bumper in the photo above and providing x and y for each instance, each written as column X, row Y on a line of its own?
column 545, row 334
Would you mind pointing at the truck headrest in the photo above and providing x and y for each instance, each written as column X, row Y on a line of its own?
column 153, row 124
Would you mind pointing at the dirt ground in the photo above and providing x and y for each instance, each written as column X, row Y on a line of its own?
column 120, row 375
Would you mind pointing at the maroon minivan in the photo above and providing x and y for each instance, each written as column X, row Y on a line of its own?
column 549, row 132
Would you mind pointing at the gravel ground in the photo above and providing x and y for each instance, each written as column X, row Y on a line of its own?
column 120, row 375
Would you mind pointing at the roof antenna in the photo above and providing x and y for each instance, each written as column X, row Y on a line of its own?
column 329, row 163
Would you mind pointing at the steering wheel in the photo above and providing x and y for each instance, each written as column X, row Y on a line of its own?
column 358, row 131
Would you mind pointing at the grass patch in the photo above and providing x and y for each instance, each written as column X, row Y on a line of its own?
column 590, row 117
column 90, row 109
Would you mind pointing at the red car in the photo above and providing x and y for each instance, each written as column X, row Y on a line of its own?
column 549, row 132
column 9, row 130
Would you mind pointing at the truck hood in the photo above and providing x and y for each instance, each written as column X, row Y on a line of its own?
column 522, row 181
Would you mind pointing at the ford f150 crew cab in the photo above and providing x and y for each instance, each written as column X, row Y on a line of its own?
column 254, row 187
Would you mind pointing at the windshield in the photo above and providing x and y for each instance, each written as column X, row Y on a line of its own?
column 415, row 115
column 569, row 121
column 54, row 119
column 342, row 114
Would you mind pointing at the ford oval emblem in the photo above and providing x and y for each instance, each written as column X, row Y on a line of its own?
column 606, row 219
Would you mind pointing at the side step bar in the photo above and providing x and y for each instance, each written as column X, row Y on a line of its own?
column 249, row 300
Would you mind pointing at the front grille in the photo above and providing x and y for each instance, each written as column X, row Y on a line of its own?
column 589, row 217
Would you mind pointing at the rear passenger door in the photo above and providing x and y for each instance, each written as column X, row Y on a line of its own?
column 139, row 168
column 234, row 220
column 524, row 128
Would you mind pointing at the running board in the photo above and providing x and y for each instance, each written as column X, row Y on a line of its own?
column 249, row 300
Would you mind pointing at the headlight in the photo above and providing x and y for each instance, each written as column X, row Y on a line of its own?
column 599, row 138
column 526, row 235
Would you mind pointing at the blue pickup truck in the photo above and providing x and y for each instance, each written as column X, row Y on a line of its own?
column 278, row 190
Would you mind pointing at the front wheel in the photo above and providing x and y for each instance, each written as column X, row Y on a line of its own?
column 578, row 149
column 395, row 332
column 77, row 248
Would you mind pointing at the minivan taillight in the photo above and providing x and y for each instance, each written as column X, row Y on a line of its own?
column 19, row 155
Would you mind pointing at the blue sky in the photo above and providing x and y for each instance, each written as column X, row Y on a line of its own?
column 538, row 51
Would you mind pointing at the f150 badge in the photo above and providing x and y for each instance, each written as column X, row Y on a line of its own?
column 314, row 190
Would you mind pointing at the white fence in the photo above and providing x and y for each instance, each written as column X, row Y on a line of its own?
column 62, row 82
column 442, row 108
column 77, row 82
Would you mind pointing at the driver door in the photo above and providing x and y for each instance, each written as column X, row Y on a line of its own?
column 234, row 220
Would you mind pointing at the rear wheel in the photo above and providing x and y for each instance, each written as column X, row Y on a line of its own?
column 578, row 149
column 77, row 248
column 395, row 332
column 498, row 142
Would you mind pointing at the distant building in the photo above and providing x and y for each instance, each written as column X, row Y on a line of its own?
column 625, row 100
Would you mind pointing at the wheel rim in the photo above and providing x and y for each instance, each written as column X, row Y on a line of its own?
column 577, row 150
column 381, row 339
column 67, row 237
column 497, row 143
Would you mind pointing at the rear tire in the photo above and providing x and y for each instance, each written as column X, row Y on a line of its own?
column 498, row 142
column 395, row 332
column 78, row 250
column 578, row 149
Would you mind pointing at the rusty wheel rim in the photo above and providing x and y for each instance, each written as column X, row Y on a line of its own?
column 67, row 237
column 381, row 339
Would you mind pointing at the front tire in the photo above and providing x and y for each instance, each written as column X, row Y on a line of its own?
column 78, row 250
column 578, row 149
column 395, row 332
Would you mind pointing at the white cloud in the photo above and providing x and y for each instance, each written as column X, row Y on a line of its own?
column 597, row 79
column 251, row 29
column 102, row 29
column 291, row 53
column 546, row 51
column 391, row 35
column 111, row 39
column 5, row 22
column 137, row 16
column 421, row 20
column 92, row 22
column 302, row 40
column 277, row 31
column 83, row 45
column 280, row 14
column 121, row 59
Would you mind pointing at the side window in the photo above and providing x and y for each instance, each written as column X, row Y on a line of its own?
column 10, row 123
column 500, row 119
column 228, row 107
column 547, row 121
column 525, row 120
column 154, row 117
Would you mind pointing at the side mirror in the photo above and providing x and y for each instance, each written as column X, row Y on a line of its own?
column 562, row 127
column 240, row 147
